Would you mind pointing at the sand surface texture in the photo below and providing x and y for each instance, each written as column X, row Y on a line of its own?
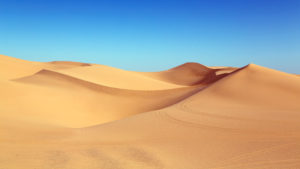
column 70, row 115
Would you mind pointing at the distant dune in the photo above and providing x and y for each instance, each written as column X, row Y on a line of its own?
column 72, row 115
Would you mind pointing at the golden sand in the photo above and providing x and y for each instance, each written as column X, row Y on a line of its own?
column 70, row 115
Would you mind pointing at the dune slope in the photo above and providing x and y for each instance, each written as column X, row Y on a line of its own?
column 74, row 102
column 233, row 123
column 185, row 74
column 62, row 115
column 118, row 78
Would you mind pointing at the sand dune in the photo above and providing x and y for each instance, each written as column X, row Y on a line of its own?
column 185, row 74
column 14, row 68
column 221, row 70
column 84, row 103
column 66, row 64
column 11, row 68
column 118, row 78
column 75, row 115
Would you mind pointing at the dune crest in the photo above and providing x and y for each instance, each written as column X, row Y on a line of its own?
column 69, row 63
column 186, row 74
column 118, row 78
column 252, row 97
column 96, row 102
column 63, row 115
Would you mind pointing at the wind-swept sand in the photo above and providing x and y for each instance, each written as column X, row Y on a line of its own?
column 70, row 115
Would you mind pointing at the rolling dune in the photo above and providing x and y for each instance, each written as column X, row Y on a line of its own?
column 186, row 74
column 118, row 78
column 84, row 103
column 63, row 115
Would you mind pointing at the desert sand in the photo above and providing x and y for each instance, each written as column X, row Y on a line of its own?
column 71, row 115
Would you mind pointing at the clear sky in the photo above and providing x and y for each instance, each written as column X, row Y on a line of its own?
column 151, row 35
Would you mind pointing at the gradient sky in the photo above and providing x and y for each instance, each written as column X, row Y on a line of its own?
column 151, row 35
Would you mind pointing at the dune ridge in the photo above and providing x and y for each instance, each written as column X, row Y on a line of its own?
column 69, row 63
column 118, row 78
column 272, row 93
column 63, row 115
column 130, row 101
column 186, row 74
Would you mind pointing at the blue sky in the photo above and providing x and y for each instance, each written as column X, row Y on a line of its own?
column 151, row 35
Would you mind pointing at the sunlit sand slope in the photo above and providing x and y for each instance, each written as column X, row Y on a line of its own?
column 70, row 115
column 118, row 78
column 65, row 100
column 11, row 68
